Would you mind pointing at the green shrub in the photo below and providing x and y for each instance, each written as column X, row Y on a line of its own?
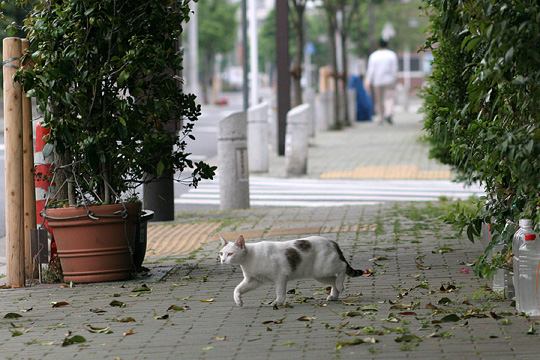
column 482, row 104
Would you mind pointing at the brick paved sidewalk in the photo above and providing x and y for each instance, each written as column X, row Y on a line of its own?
column 423, row 302
column 369, row 151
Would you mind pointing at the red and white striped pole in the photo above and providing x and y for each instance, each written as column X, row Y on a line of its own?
column 42, row 179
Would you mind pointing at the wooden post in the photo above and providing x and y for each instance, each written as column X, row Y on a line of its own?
column 28, row 178
column 13, row 164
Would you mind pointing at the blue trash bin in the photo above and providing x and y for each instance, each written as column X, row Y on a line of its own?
column 364, row 104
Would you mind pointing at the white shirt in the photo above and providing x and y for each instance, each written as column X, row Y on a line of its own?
column 382, row 68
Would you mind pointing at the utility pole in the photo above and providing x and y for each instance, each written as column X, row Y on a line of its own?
column 245, row 69
column 193, row 50
column 283, row 74
column 253, row 53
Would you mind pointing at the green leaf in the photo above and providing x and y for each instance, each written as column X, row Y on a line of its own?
column 142, row 288
column 117, row 303
column 12, row 315
column 356, row 341
column 76, row 339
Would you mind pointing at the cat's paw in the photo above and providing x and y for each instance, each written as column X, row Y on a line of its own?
column 238, row 300
column 332, row 298
column 277, row 303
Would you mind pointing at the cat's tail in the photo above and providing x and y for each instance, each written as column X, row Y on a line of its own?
column 353, row 272
column 349, row 270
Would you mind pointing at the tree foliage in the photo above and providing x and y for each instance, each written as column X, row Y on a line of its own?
column 104, row 77
column 482, row 102
column 217, row 34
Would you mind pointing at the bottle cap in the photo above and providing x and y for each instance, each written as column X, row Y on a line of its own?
column 530, row 237
column 525, row 222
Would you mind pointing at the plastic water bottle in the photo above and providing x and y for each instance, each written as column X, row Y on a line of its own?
column 529, row 275
column 499, row 276
column 525, row 225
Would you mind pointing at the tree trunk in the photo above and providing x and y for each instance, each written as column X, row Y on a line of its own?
column 333, row 54
column 296, row 71
column 345, row 76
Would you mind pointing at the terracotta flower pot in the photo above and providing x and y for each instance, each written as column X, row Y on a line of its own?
column 98, row 247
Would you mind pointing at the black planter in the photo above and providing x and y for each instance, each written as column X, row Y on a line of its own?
column 139, row 248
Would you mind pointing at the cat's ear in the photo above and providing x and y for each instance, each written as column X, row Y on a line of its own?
column 223, row 241
column 241, row 243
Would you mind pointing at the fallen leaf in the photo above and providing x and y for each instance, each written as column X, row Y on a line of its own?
column 40, row 342
column 16, row 332
column 367, row 273
column 444, row 334
column 57, row 304
column 75, row 339
column 407, row 313
column 369, row 308
column 532, row 330
column 278, row 321
column 306, row 318
column 117, row 303
column 129, row 332
column 220, row 338
column 176, row 308
column 464, row 270
column 495, row 315
column 125, row 319
column 142, row 288
column 99, row 330
column 291, row 292
column 447, row 288
column 392, row 319
column 431, row 307
column 356, row 341
column 98, row 311
column 27, row 310
column 408, row 338
column 162, row 317
column 12, row 315
column 448, row 318
column 207, row 300
column 409, row 306
column 443, row 250
column 352, row 314
column 207, row 348
column 444, row 301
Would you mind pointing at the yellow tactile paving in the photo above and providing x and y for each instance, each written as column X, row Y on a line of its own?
column 388, row 172
column 181, row 239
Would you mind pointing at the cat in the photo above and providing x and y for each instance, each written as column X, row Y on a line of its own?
column 280, row 261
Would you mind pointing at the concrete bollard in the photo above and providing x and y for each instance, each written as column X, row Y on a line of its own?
column 297, row 140
column 309, row 98
column 257, row 137
column 331, row 115
column 233, row 162
column 321, row 111
column 351, row 94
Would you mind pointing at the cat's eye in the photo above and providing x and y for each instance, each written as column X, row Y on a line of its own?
column 229, row 254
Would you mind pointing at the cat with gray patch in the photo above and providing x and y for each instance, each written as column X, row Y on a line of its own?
column 280, row 261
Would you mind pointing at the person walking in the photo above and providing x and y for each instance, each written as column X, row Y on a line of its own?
column 382, row 76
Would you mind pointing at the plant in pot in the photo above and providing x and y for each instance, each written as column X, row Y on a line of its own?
column 105, row 76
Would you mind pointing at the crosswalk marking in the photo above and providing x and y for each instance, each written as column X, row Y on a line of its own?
column 266, row 191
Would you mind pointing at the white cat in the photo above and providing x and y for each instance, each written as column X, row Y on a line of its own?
column 280, row 261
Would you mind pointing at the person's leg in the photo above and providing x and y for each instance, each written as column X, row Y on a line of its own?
column 379, row 103
column 389, row 99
